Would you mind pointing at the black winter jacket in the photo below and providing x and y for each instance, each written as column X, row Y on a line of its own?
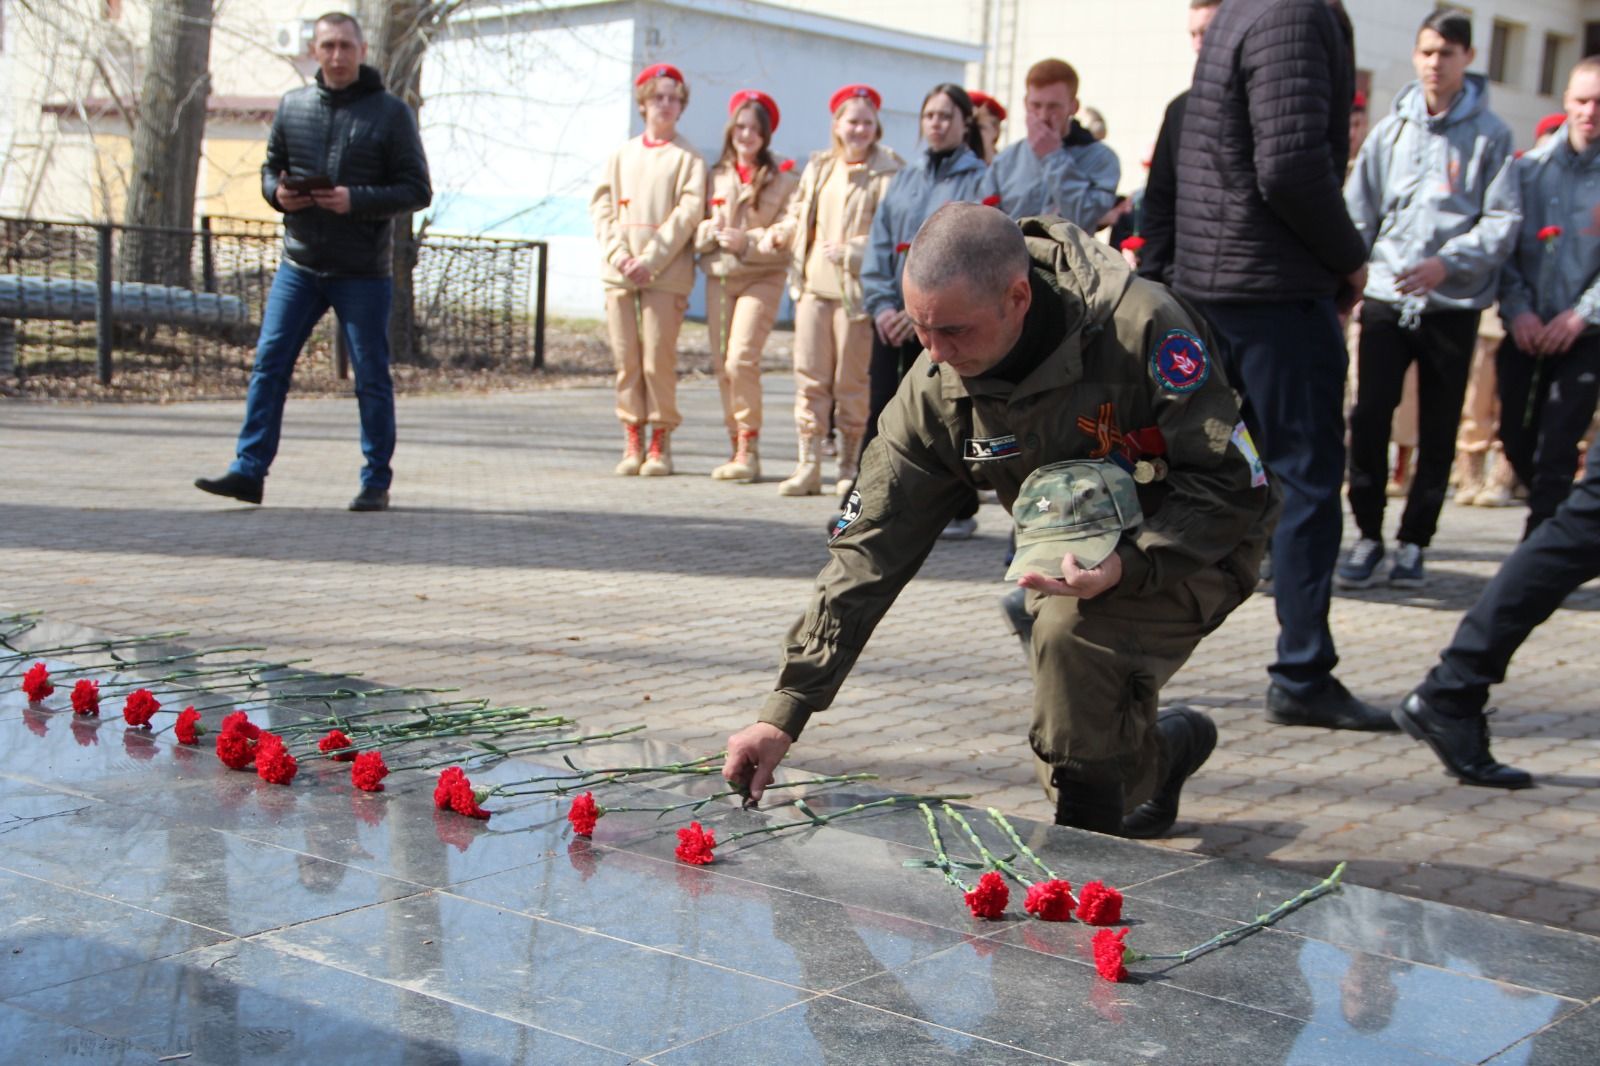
column 1161, row 197
column 1261, row 159
column 363, row 138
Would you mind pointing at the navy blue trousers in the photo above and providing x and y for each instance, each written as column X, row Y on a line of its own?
column 1289, row 362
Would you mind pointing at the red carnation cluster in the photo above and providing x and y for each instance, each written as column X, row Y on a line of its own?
column 1050, row 901
column 1549, row 233
column 333, row 743
column 454, row 792
column 585, row 812
column 86, row 697
column 695, row 844
column 989, row 898
column 140, row 706
column 188, row 727
column 1132, row 244
column 1099, row 904
column 36, row 682
column 236, row 744
column 368, row 771
column 274, row 764
column 1109, row 953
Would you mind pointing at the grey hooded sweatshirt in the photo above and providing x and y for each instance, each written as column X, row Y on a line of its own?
column 1436, row 185
column 1559, row 188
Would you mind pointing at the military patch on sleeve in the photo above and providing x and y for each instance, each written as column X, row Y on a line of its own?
column 988, row 449
column 1247, row 447
column 852, row 511
column 1180, row 362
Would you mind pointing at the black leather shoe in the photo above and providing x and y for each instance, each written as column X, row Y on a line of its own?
column 234, row 486
column 1190, row 738
column 1331, row 706
column 1462, row 744
column 370, row 499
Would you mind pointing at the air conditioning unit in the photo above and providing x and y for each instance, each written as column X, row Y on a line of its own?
column 293, row 38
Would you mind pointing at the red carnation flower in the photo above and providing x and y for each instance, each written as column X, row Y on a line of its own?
column 188, row 727
column 1549, row 233
column 989, row 899
column 1110, row 952
column 236, row 744
column 141, row 704
column 36, row 682
column 717, row 201
column 239, row 722
column 333, row 742
column 441, row 791
column 992, row 200
column 1099, row 904
column 1050, row 901
column 584, row 813
column 454, row 792
column 274, row 764
column 86, row 697
column 624, row 202
column 695, row 844
column 1132, row 244
column 368, row 771
column 902, row 248
column 786, row 166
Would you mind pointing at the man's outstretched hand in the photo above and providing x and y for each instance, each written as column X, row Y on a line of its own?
column 754, row 753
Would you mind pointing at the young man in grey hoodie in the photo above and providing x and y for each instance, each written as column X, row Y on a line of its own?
column 1433, row 195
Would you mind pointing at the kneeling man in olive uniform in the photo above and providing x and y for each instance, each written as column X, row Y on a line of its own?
column 1041, row 348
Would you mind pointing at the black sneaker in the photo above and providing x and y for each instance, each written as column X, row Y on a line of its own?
column 370, row 499
column 1330, row 706
column 1190, row 738
column 232, row 485
column 1360, row 567
column 1462, row 744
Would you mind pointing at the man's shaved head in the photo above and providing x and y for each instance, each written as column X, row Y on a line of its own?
column 975, row 245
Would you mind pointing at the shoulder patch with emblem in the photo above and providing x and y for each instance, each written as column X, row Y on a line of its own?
column 852, row 511
column 1180, row 362
column 988, row 449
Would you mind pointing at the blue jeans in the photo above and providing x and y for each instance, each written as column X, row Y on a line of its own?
column 1290, row 362
column 297, row 300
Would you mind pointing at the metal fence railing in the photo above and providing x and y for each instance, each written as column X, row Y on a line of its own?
column 82, row 298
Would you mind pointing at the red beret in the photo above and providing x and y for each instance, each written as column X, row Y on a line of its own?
column 660, row 70
column 754, row 96
column 1360, row 101
column 855, row 92
column 985, row 100
column 1548, row 124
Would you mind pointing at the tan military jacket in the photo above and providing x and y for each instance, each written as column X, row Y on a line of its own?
column 797, row 232
column 647, row 205
column 733, row 203
column 1134, row 372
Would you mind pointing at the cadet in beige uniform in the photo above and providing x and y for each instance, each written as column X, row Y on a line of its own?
column 750, row 191
column 827, row 227
column 1042, row 350
column 650, row 199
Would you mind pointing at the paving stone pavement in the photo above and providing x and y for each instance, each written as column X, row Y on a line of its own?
column 513, row 565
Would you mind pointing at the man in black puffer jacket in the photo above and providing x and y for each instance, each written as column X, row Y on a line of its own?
column 344, row 157
column 1264, row 247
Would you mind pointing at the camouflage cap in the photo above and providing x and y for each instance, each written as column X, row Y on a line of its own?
column 1081, row 506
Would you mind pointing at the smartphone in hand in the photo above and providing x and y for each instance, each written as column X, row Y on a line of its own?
column 304, row 184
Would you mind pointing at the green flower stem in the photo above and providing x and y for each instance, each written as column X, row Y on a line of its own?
column 123, row 665
column 814, row 820
column 589, row 779
column 938, row 848
column 533, row 746
column 93, row 645
column 1003, row 865
column 1328, row 884
column 1000, row 820
column 696, row 804
column 179, row 679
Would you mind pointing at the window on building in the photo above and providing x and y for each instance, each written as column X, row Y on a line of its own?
column 1505, row 53
column 1551, row 62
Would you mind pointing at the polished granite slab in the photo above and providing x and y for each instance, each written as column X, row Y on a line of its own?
column 155, row 904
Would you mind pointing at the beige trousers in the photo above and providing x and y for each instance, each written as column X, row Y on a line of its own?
column 647, row 364
column 831, row 354
column 1480, row 414
column 750, row 306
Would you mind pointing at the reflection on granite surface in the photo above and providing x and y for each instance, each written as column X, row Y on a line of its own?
column 153, row 903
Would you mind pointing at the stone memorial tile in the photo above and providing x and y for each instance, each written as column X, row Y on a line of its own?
column 1371, row 996
column 243, row 1002
column 212, row 879
column 801, row 940
column 50, row 934
column 1573, row 1041
column 1053, row 1006
column 28, row 1038
column 537, row 972
column 1434, row 934
column 828, row 1030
